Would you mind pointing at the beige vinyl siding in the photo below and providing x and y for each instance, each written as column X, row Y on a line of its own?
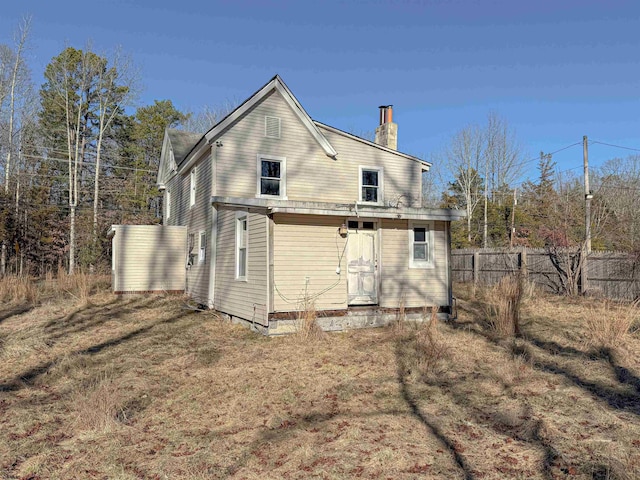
column 308, row 246
column 401, row 176
column 244, row 299
column 196, row 218
column 418, row 286
column 148, row 258
column 310, row 174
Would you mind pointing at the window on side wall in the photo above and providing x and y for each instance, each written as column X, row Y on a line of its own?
column 370, row 183
column 202, row 247
column 272, row 174
column 421, row 245
column 192, row 189
column 242, row 242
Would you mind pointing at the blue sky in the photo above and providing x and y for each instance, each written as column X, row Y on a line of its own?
column 555, row 70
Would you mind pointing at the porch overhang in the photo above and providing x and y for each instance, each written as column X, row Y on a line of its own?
column 355, row 209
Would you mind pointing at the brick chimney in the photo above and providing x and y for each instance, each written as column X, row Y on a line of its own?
column 387, row 131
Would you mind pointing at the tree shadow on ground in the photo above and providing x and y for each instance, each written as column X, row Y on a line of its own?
column 90, row 316
column 14, row 311
column 29, row 377
column 427, row 420
column 621, row 400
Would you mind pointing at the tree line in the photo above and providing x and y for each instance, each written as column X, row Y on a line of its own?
column 484, row 163
column 76, row 156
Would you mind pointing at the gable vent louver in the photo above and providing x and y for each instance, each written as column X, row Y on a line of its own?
column 272, row 127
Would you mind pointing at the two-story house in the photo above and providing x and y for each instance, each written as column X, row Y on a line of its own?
column 281, row 210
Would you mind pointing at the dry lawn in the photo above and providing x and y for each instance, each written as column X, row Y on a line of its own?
column 148, row 388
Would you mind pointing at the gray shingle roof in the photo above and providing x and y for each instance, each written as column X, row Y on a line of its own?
column 182, row 142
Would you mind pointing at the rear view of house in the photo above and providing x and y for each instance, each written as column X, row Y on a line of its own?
column 280, row 210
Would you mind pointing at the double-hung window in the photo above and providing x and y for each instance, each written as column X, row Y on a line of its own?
column 421, row 245
column 371, row 185
column 272, row 176
column 242, row 242
column 192, row 188
column 202, row 247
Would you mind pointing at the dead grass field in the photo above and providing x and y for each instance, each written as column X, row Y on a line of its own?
column 146, row 388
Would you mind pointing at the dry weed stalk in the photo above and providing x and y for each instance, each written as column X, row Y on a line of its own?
column 307, row 324
column 18, row 290
column 400, row 322
column 502, row 305
column 430, row 346
column 609, row 325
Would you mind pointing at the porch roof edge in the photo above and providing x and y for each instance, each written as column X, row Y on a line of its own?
column 340, row 209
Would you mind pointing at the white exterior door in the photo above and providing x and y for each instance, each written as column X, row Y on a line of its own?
column 362, row 265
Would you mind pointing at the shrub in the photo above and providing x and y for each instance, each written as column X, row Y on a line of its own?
column 502, row 306
column 608, row 325
column 307, row 325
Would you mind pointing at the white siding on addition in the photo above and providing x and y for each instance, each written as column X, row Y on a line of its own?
column 148, row 258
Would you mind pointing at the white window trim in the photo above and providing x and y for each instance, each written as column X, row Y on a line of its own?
column 283, row 175
column 240, row 215
column 167, row 206
column 202, row 247
column 380, row 171
column 424, row 264
column 192, row 187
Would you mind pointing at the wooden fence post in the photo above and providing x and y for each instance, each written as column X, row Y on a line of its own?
column 523, row 262
column 476, row 267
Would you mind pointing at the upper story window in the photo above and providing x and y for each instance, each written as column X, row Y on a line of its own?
column 421, row 245
column 192, row 189
column 272, row 176
column 371, row 184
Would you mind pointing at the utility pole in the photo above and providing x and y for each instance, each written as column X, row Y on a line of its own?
column 513, row 217
column 587, row 214
column 587, row 195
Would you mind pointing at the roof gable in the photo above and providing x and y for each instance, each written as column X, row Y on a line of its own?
column 277, row 84
column 175, row 147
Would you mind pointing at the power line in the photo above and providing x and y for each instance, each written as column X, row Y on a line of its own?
column 616, row 146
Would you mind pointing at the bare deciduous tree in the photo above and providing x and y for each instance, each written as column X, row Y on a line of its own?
column 465, row 158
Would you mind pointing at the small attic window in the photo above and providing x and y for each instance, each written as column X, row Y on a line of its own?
column 271, row 127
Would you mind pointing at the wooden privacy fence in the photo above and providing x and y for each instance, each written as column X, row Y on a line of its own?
column 614, row 275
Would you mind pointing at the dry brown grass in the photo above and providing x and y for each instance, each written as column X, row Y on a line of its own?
column 430, row 345
column 307, row 327
column 609, row 324
column 18, row 290
column 145, row 388
column 502, row 306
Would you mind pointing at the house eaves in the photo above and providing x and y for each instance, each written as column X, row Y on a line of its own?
column 341, row 209
column 372, row 144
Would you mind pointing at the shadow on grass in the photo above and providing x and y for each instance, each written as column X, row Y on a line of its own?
column 28, row 377
column 427, row 420
column 8, row 312
column 615, row 398
column 89, row 316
